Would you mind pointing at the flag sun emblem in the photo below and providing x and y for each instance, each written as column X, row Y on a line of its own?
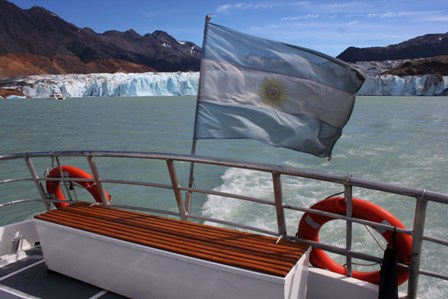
column 273, row 92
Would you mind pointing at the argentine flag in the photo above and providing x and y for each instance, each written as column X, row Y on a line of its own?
column 286, row 96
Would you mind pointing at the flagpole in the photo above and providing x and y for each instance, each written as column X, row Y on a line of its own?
column 188, row 195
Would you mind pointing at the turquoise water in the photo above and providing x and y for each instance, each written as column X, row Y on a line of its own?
column 400, row 140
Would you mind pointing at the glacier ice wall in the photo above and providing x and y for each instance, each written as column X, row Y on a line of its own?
column 181, row 84
column 111, row 85
column 389, row 85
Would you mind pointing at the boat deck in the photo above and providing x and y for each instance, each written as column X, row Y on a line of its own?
column 229, row 247
column 167, row 245
column 30, row 278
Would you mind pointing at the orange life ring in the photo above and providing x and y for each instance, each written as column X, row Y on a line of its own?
column 310, row 225
column 54, row 187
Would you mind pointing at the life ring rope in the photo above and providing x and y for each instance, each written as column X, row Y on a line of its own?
column 311, row 223
column 78, row 177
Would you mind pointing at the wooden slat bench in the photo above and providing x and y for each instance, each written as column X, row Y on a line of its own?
column 225, row 246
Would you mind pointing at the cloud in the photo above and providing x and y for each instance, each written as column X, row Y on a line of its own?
column 423, row 15
column 341, row 5
column 228, row 8
column 305, row 17
column 395, row 14
column 223, row 8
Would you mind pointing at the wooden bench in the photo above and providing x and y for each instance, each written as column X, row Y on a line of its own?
column 234, row 248
column 239, row 250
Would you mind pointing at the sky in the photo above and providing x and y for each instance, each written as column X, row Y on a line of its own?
column 328, row 26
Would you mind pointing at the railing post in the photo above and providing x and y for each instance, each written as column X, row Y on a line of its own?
column 37, row 182
column 349, row 224
column 280, row 212
column 99, row 184
column 417, row 239
column 177, row 194
column 64, row 182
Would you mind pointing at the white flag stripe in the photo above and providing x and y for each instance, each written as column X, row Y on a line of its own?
column 227, row 83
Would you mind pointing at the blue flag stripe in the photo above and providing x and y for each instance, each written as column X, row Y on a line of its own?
column 224, row 44
column 297, row 132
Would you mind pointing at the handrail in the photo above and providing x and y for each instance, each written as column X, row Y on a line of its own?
column 421, row 196
column 19, row 201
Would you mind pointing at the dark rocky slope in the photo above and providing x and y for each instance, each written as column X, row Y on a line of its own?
column 36, row 41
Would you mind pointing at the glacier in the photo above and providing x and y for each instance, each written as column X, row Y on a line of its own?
column 110, row 85
column 390, row 85
column 186, row 83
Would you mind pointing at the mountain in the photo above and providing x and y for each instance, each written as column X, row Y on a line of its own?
column 37, row 41
column 434, row 65
column 425, row 46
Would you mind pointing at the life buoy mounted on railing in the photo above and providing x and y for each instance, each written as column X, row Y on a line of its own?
column 54, row 189
column 310, row 225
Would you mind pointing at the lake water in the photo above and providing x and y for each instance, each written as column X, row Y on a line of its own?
column 400, row 140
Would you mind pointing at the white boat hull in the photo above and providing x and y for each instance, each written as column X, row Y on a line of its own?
column 15, row 239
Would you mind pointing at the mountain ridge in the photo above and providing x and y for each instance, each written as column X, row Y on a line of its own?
column 37, row 41
column 36, row 34
column 425, row 46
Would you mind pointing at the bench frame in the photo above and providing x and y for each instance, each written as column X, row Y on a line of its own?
column 139, row 271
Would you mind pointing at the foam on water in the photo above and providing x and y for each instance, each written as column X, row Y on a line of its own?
column 401, row 141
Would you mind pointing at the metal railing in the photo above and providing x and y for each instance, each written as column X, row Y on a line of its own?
column 184, row 212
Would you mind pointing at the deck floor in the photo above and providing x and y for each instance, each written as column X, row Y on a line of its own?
column 234, row 248
column 31, row 276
